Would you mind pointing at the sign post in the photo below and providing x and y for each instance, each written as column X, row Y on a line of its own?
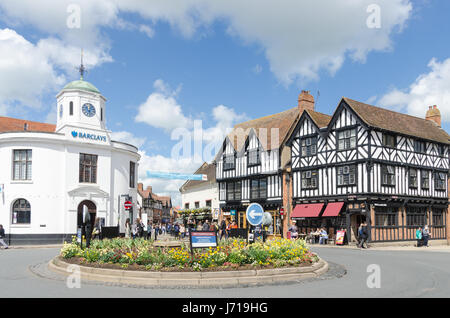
column 202, row 239
column 255, row 215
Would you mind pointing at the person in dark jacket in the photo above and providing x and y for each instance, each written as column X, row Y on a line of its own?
column 2, row 236
column 363, row 235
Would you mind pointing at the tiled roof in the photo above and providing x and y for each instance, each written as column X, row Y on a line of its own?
column 397, row 122
column 321, row 120
column 8, row 124
column 208, row 169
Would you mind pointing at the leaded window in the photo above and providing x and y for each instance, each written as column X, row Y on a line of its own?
column 425, row 179
column 412, row 178
column 22, row 166
column 88, row 168
column 234, row 191
column 347, row 139
column 415, row 216
column 228, row 162
column 439, row 181
column 309, row 179
column 389, row 140
column 388, row 175
column 346, row 175
column 386, row 216
column 438, row 217
column 309, row 146
column 253, row 157
column 419, row 146
column 258, row 189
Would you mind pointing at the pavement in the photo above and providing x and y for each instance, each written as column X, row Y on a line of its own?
column 400, row 273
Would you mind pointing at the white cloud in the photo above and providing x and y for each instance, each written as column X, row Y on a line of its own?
column 299, row 38
column 129, row 138
column 428, row 89
column 161, row 109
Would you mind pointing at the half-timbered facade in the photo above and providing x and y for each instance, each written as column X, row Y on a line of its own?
column 388, row 169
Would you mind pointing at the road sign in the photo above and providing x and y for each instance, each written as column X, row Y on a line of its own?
column 128, row 205
column 255, row 214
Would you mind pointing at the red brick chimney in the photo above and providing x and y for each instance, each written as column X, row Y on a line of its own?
column 305, row 101
column 434, row 114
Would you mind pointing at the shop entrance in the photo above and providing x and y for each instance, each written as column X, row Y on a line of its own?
column 355, row 222
column 92, row 211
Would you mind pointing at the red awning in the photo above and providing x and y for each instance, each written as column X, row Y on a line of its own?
column 333, row 209
column 311, row 210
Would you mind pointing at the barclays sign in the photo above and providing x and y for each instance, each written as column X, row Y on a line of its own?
column 88, row 136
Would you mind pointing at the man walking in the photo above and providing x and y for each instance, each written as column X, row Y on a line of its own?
column 363, row 234
column 2, row 236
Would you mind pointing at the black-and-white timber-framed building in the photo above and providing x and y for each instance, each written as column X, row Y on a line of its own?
column 362, row 163
column 383, row 167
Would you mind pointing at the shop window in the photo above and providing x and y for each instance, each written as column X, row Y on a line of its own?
column 415, row 216
column 88, row 168
column 22, row 166
column 309, row 146
column 21, row 212
column 386, row 216
column 346, row 175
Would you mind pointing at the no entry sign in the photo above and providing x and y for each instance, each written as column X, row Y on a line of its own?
column 128, row 205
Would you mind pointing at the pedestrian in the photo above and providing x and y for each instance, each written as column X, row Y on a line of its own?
column 2, row 237
column 149, row 230
column 182, row 231
column 87, row 226
column 419, row 237
column 206, row 226
column 364, row 235
column 140, row 228
column 97, row 229
column 223, row 229
column 127, row 228
column 293, row 229
column 258, row 232
column 425, row 235
column 156, row 230
column 199, row 226
column 176, row 231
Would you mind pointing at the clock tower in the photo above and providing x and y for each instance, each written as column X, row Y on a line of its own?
column 80, row 105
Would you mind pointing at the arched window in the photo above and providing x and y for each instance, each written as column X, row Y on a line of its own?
column 21, row 212
column 71, row 108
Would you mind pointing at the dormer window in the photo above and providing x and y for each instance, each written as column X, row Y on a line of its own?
column 229, row 162
column 254, row 157
column 309, row 146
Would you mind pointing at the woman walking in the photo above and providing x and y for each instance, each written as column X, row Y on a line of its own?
column 127, row 228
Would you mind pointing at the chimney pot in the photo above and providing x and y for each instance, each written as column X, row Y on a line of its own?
column 434, row 115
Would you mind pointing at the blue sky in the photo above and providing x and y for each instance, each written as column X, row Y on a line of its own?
column 222, row 63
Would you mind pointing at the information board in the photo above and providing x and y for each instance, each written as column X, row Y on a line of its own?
column 201, row 239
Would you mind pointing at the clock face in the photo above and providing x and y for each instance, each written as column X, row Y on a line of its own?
column 88, row 110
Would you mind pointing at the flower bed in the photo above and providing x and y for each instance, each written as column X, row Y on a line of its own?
column 232, row 254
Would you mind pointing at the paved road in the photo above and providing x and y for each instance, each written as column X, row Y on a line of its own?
column 403, row 274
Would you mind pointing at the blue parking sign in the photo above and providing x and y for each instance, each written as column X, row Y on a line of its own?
column 255, row 214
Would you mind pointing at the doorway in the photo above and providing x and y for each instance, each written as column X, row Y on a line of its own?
column 92, row 209
column 355, row 222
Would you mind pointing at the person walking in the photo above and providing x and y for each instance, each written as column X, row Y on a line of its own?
column 156, row 230
column 127, row 228
column 176, row 231
column 87, row 226
column 2, row 237
column 97, row 229
column 364, row 235
column 182, row 231
column 149, row 229
column 206, row 226
column 223, row 229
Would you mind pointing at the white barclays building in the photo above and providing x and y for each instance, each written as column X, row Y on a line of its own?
column 50, row 172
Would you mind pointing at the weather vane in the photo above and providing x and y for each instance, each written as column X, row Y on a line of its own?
column 82, row 69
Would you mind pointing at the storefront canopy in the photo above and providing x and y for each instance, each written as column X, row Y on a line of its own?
column 311, row 210
column 333, row 209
